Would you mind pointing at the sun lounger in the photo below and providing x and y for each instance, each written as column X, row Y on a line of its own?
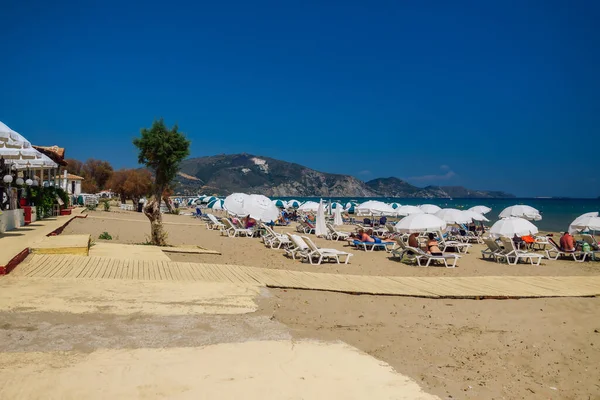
column 370, row 246
column 232, row 231
column 213, row 223
column 305, row 227
column 274, row 239
column 420, row 256
column 554, row 252
column 297, row 247
column 335, row 234
column 324, row 254
column 511, row 252
column 460, row 247
column 493, row 251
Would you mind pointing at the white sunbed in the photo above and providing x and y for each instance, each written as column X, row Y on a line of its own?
column 510, row 251
column 459, row 246
column 297, row 248
column 323, row 254
column 493, row 251
column 213, row 223
column 335, row 234
column 420, row 256
column 274, row 239
column 554, row 252
column 232, row 231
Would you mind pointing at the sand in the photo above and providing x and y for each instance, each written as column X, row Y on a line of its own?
column 487, row 349
column 185, row 230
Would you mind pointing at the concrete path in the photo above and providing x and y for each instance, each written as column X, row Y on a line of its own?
column 15, row 242
column 65, row 266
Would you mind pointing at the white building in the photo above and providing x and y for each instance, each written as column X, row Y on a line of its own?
column 71, row 184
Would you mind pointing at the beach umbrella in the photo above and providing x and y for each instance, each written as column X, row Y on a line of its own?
column 217, row 204
column 480, row 209
column 309, row 206
column 452, row 216
column 511, row 226
column 521, row 211
column 585, row 222
column 261, row 208
column 350, row 204
column 234, row 204
column 208, row 199
column 335, row 205
column 395, row 205
column 337, row 217
column 430, row 208
column 373, row 207
column 320, row 228
column 293, row 203
column 408, row 210
column 280, row 203
column 420, row 222
column 472, row 215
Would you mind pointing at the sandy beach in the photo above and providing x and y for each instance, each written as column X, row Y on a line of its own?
column 501, row 349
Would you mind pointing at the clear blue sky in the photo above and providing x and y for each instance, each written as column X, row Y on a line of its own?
column 486, row 94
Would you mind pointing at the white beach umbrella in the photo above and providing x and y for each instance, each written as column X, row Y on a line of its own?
column 480, row 209
column 511, row 226
column 293, row 203
column 521, row 211
column 309, row 206
column 337, row 217
column 430, row 208
column 408, row 210
column 261, row 208
column 453, row 216
column 585, row 222
column 472, row 215
column 373, row 207
column 320, row 228
column 234, row 204
column 420, row 222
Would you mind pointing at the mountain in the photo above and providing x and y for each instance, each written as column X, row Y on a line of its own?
column 226, row 174
column 394, row 187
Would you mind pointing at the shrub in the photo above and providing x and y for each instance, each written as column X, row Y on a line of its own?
column 175, row 211
column 106, row 205
column 91, row 207
column 105, row 236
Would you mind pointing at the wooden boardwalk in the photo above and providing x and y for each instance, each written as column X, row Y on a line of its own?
column 69, row 266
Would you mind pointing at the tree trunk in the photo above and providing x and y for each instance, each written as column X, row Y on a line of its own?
column 168, row 204
column 158, row 236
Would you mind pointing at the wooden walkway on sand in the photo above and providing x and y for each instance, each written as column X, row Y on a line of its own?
column 69, row 266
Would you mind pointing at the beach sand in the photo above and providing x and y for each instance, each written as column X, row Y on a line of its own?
column 492, row 349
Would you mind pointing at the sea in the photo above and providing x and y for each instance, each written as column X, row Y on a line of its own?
column 557, row 213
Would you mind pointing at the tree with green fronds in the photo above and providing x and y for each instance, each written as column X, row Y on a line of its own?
column 161, row 150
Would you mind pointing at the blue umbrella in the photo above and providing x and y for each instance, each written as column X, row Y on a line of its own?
column 280, row 203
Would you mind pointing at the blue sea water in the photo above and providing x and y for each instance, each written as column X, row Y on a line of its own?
column 557, row 214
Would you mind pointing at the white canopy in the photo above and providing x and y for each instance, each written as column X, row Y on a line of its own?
column 373, row 207
column 480, row 209
column 309, row 206
column 420, row 222
column 320, row 227
column 18, row 151
column 234, row 204
column 430, row 208
column 585, row 222
column 337, row 217
column 521, row 211
column 261, row 208
column 408, row 210
column 453, row 216
column 511, row 226
column 475, row 216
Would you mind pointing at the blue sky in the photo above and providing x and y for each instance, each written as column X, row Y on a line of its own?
column 489, row 95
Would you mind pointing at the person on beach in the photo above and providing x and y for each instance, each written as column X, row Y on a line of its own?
column 364, row 237
column 567, row 243
column 413, row 240
column 433, row 247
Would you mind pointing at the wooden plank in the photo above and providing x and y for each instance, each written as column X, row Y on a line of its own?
column 52, row 268
column 35, row 264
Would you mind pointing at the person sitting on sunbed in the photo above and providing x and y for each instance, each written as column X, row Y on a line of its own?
column 249, row 222
column 566, row 242
column 433, row 247
column 413, row 240
column 364, row 237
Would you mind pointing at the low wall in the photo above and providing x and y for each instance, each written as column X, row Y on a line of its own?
column 11, row 219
